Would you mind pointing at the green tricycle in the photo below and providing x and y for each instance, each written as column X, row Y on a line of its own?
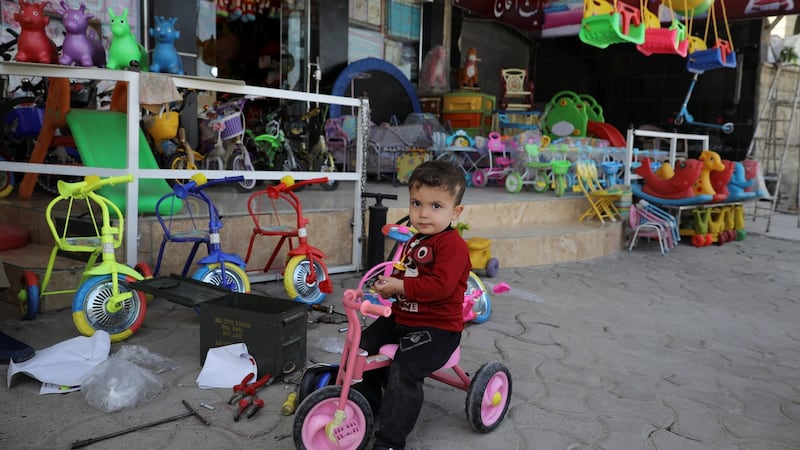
column 540, row 175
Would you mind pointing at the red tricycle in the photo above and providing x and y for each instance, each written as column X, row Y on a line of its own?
column 305, row 276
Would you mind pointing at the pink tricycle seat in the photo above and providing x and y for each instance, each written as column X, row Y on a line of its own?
column 503, row 162
column 390, row 349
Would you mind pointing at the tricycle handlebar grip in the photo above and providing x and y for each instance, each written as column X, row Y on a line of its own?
column 297, row 184
column 93, row 183
column 368, row 308
column 120, row 179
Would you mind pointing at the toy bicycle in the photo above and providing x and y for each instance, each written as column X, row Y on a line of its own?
column 539, row 175
column 339, row 417
column 611, row 173
column 499, row 163
column 477, row 305
column 218, row 267
column 103, row 300
column 305, row 276
column 227, row 124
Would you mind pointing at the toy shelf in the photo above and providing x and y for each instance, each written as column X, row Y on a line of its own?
column 673, row 139
column 132, row 139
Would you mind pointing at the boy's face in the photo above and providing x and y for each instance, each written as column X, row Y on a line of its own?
column 431, row 209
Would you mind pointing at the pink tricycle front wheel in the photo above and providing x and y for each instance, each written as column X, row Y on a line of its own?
column 317, row 411
column 488, row 397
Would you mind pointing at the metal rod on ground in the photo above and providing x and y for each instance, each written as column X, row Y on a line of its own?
column 191, row 412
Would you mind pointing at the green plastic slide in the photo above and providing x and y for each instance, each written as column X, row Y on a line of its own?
column 100, row 137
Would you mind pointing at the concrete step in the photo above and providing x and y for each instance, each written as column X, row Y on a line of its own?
column 539, row 232
column 525, row 229
column 34, row 257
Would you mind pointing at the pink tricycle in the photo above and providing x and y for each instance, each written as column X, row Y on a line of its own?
column 500, row 163
column 338, row 417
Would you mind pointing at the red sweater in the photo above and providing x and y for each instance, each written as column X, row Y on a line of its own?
column 437, row 268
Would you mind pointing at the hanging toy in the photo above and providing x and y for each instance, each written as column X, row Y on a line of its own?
column 81, row 45
column 33, row 44
column 234, row 9
column 222, row 8
column 262, row 6
column 248, row 10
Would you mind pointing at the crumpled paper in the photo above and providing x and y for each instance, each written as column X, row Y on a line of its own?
column 65, row 363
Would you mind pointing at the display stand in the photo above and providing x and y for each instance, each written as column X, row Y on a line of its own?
column 132, row 140
column 673, row 139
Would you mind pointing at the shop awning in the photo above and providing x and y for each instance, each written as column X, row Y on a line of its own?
column 563, row 17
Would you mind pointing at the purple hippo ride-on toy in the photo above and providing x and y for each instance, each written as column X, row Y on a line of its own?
column 82, row 45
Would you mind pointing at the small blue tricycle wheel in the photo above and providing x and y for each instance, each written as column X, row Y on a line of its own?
column 29, row 296
column 483, row 304
column 492, row 267
column 94, row 307
column 297, row 276
column 237, row 280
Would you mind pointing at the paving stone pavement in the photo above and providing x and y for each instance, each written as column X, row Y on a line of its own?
column 697, row 349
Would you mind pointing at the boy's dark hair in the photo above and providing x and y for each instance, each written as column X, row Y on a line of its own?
column 440, row 174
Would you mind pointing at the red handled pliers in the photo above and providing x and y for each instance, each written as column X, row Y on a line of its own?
column 247, row 398
column 238, row 390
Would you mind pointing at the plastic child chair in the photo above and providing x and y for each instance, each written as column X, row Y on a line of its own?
column 516, row 90
column 655, row 214
column 643, row 228
column 601, row 201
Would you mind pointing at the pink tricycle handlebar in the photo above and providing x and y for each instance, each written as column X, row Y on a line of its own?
column 368, row 308
column 353, row 300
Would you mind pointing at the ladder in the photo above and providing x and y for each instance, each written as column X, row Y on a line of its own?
column 771, row 139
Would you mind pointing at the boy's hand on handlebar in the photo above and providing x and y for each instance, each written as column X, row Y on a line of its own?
column 389, row 286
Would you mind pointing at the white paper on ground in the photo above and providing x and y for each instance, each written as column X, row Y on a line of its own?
column 226, row 367
column 65, row 363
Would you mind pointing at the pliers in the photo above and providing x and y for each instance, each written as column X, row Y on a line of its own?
column 251, row 403
column 238, row 390
column 249, row 390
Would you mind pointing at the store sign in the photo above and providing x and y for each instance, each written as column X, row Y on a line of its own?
column 563, row 17
column 524, row 15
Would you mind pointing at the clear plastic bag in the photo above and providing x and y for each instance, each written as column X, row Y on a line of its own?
column 146, row 359
column 117, row 383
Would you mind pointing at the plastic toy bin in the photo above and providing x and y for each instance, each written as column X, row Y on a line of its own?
column 463, row 120
column 23, row 122
column 468, row 101
column 274, row 330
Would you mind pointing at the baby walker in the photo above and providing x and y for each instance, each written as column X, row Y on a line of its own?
column 338, row 417
column 499, row 163
column 218, row 267
column 103, row 300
